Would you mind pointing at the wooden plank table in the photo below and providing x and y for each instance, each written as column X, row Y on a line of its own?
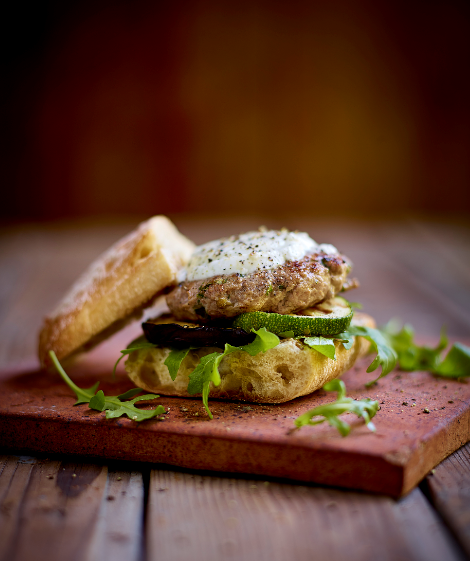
column 59, row 507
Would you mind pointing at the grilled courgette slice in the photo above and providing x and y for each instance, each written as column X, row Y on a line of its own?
column 328, row 318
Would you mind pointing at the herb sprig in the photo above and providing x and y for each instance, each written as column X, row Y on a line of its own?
column 115, row 406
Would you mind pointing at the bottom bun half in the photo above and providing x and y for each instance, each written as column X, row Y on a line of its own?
column 280, row 374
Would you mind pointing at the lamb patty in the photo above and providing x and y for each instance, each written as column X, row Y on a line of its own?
column 286, row 289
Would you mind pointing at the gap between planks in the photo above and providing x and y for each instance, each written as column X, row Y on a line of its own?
column 52, row 510
column 448, row 490
column 210, row 518
column 47, row 513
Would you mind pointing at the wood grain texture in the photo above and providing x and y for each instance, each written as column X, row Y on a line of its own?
column 118, row 531
column 212, row 518
column 413, row 269
column 57, row 512
column 14, row 479
column 54, row 510
column 449, row 489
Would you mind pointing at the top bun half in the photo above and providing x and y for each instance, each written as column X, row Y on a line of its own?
column 116, row 288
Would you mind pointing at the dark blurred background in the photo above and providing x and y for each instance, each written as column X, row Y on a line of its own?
column 260, row 106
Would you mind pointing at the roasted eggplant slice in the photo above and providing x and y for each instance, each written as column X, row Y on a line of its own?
column 183, row 336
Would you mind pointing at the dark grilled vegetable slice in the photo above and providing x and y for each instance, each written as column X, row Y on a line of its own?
column 183, row 336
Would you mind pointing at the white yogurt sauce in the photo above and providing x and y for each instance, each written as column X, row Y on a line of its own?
column 246, row 253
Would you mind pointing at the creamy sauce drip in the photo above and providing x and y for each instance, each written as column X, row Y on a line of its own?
column 246, row 253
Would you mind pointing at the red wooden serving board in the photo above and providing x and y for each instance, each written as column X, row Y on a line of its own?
column 37, row 413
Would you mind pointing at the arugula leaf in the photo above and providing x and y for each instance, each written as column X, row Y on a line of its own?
column 330, row 412
column 264, row 341
column 113, row 405
column 456, row 364
column 83, row 395
column 207, row 370
column 347, row 340
column 174, row 359
column 137, row 344
column 323, row 345
column 205, row 373
column 414, row 357
column 386, row 355
column 130, row 393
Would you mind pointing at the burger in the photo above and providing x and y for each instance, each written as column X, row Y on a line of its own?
column 258, row 316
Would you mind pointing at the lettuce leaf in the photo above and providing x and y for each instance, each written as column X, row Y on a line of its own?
column 365, row 409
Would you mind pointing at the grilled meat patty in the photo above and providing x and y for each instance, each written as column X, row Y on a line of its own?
column 289, row 288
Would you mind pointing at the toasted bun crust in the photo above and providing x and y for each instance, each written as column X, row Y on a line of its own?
column 122, row 281
column 280, row 374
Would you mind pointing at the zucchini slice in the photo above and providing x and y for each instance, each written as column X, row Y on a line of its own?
column 327, row 318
